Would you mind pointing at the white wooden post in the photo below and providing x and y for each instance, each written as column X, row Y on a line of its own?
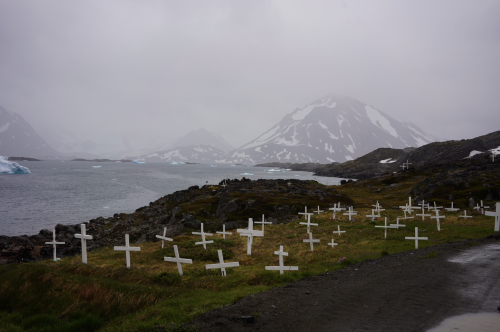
column 403, row 166
column 477, row 207
column 222, row 266
column 308, row 223
column 84, row 237
column 54, row 244
column 397, row 224
column 164, row 237
column 203, row 241
column 465, row 215
column 127, row 248
column 338, row 231
column 350, row 213
column 250, row 233
column 281, row 267
column 373, row 215
column 416, row 238
column 318, row 211
column 311, row 241
column 263, row 222
column 224, row 233
column 304, row 213
column 385, row 227
column 334, row 209
column 452, row 209
column 178, row 260
column 423, row 215
column 437, row 217
column 495, row 214
column 333, row 244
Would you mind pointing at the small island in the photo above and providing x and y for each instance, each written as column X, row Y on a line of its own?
column 103, row 160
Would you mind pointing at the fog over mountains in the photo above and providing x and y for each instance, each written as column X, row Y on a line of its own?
column 331, row 129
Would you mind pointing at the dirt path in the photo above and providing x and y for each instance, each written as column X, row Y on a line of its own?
column 401, row 292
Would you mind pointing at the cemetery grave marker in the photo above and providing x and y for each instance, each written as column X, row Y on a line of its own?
column 350, row 213
column 452, row 209
column 483, row 207
column 477, row 207
column 465, row 215
column 164, row 237
column 495, row 214
column 281, row 266
column 318, row 211
column 437, row 217
column 311, row 240
column 84, row 237
column 308, row 223
column 338, row 231
column 304, row 213
column 416, row 238
column 222, row 266
column 224, row 233
column 127, row 248
column 333, row 244
column 178, row 260
column 397, row 224
column 54, row 243
column 407, row 217
column 373, row 215
column 423, row 215
column 336, row 208
column 385, row 227
column 250, row 233
column 263, row 222
column 435, row 208
column 204, row 242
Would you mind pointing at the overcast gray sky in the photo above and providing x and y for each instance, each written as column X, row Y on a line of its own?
column 157, row 69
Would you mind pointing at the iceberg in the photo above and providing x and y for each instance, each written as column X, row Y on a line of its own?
column 138, row 162
column 274, row 170
column 246, row 174
column 96, row 166
column 177, row 163
column 10, row 167
column 213, row 165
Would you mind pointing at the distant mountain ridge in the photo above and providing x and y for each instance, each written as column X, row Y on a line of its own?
column 18, row 138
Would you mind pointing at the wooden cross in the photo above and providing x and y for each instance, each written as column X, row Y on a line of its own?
column 465, row 215
column 477, row 207
column 437, row 217
column 164, row 237
column 334, row 209
column 339, row 231
column 407, row 164
column 224, row 185
column 350, row 213
column 397, row 224
column 263, row 222
column 373, row 215
column 203, row 241
column 435, row 208
column 333, row 244
column 385, row 227
column 483, row 207
column 311, row 240
column 308, row 223
column 222, row 266
column 452, row 209
column 250, row 233
column 84, row 237
column 289, row 183
column 54, row 243
column 304, row 213
column 423, row 215
column 416, row 238
column 281, row 266
column 493, row 154
column 127, row 250
column 403, row 166
column 378, row 207
column 407, row 217
column 318, row 211
column 408, row 206
column 178, row 260
column 224, row 233
column 496, row 215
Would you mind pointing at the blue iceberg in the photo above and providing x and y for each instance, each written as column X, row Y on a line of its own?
column 246, row 174
column 138, row 162
column 11, row 167
column 213, row 165
column 177, row 163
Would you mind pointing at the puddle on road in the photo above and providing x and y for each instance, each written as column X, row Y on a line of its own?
column 482, row 322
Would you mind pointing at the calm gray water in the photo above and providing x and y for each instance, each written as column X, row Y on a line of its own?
column 72, row 192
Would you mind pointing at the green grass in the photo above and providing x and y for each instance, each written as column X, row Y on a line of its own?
column 106, row 296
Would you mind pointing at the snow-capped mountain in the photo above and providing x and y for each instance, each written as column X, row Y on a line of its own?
column 333, row 128
column 192, row 153
column 19, row 139
column 201, row 137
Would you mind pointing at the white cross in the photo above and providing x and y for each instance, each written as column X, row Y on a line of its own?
column 311, row 240
column 178, row 260
column 437, row 217
column 318, row 211
column 452, row 209
column 223, row 185
column 423, row 215
column 407, row 164
column 407, row 217
column 334, row 209
column 483, row 207
column 263, row 222
column 378, row 207
column 84, row 237
column 281, row 266
column 435, row 208
column 373, row 215
column 289, row 183
column 339, row 231
column 250, row 233
column 224, row 233
column 493, row 153
column 496, row 215
column 308, row 223
column 164, row 237
column 127, row 250
column 54, row 243
column 385, row 227
column 333, row 244
column 305, row 212
column 408, row 206
column 204, row 242
column 397, row 224
column 416, row 238
column 350, row 213
column 465, row 215
column 403, row 166
column 222, row 266
column 477, row 207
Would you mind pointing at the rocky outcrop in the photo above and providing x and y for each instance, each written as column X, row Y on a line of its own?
column 182, row 212
column 308, row 167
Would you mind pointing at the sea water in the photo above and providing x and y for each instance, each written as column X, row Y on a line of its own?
column 75, row 191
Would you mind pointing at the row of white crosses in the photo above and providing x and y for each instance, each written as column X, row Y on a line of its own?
column 83, row 236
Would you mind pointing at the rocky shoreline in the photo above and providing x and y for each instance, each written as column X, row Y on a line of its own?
column 181, row 212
